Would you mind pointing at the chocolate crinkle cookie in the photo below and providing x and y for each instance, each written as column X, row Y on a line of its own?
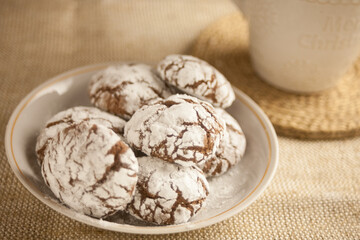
column 231, row 148
column 198, row 78
column 168, row 193
column 90, row 169
column 123, row 89
column 72, row 116
column 180, row 129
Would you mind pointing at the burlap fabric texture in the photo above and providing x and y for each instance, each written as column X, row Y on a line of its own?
column 333, row 113
column 314, row 195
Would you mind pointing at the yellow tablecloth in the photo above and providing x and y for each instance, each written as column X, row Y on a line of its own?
column 314, row 195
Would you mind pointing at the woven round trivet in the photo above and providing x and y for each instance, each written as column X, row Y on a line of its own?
column 334, row 113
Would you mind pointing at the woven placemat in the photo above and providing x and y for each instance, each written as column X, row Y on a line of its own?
column 334, row 113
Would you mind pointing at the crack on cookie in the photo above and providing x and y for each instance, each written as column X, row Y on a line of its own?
column 169, row 103
column 232, row 128
column 111, row 100
column 68, row 120
column 142, row 188
column 41, row 152
column 118, row 149
column 229, row 152
column 72, row 181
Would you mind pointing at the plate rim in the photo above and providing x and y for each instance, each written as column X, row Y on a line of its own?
column 269, row 173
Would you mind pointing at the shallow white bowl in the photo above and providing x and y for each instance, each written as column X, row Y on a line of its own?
column 230, row 193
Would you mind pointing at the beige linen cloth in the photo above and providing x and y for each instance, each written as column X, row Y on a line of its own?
column 315, row 193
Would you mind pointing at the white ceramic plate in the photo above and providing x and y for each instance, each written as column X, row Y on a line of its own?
column 229, row 195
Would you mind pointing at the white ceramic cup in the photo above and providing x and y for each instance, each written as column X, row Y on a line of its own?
column 303, row 45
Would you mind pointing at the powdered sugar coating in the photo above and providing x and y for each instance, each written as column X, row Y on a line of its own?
column 72, row 116
column 198, row 78
column 168, row 193
column 90, row 169
column 123, row 89
column 231, row 148
column 180, row 129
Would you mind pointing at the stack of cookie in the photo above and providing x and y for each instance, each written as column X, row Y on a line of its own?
column 152, row 159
